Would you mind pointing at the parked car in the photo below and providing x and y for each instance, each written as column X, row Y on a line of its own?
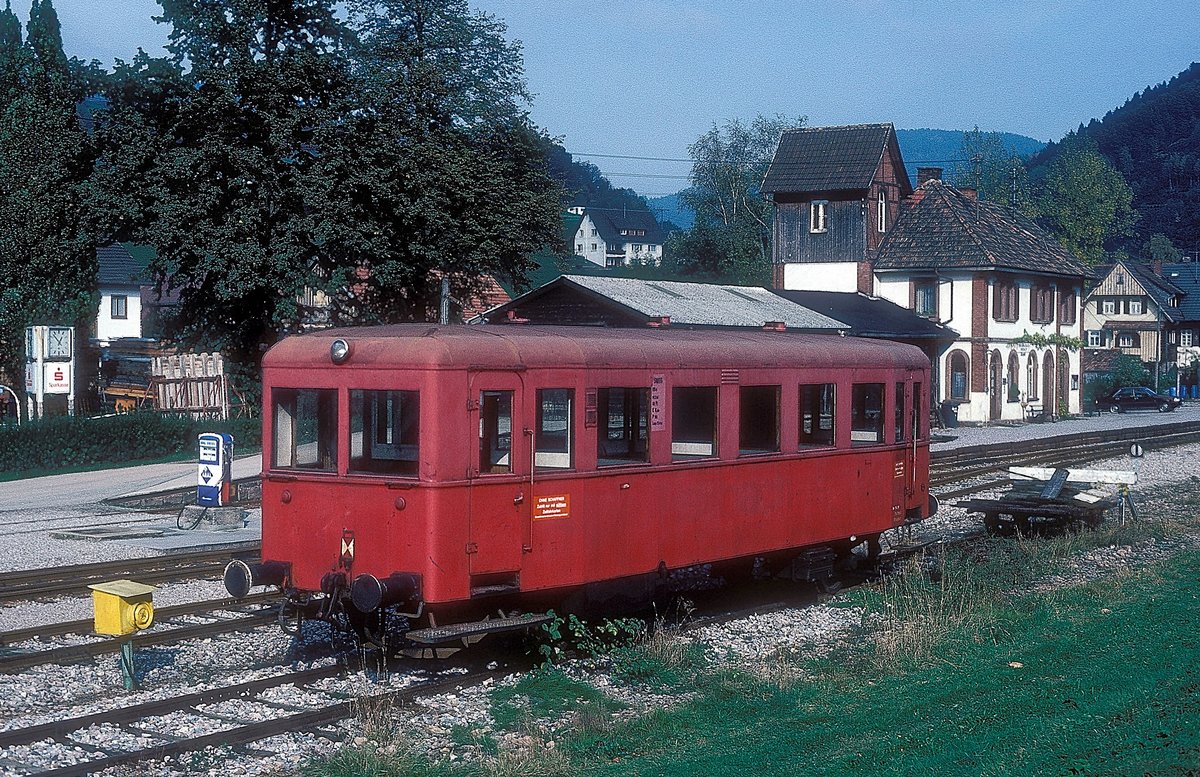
column 1137, row 398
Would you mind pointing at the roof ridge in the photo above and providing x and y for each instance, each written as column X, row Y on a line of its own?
column 832, row 127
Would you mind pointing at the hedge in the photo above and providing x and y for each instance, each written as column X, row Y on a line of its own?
column 72, row 442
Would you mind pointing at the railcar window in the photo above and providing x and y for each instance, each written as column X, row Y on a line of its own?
column 495, row 431
column 693, row 422
column 305, row 433
column 623, row 426
column 384, row 431
column 917, row 412
column 758, row 420
column 816, row 415
column 899, row 412
column 555, row 429
column 866, row 414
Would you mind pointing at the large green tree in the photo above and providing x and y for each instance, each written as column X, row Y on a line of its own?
column 731, row 238
column 1085, row 201
column 988, row 165
column 47, row 244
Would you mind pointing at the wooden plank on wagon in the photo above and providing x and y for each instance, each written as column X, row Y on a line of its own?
column 1108, row 476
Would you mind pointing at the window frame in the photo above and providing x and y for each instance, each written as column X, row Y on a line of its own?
column 325, row 419
column 777, row 390
column 881, row 222
column 113, row 300
column 818, row 216
column 878, row 435
column 827, row 391
column 407, row 404
column 487, row 462
column 604, row 397
column 686, row 446
column 553, row 460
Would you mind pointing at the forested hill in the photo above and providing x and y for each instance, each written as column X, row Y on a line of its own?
column 943, row 148
column 585, row 184
column 1154, row 140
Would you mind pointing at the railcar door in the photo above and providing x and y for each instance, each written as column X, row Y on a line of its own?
column 498, row 471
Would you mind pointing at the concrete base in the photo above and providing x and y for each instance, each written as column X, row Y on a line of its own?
column 213, row 516
column 99, row 533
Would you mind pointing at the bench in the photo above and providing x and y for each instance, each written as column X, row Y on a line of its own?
column 1035, row 413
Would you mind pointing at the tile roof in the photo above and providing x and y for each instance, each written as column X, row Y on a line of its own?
column 686, row 304
column 948, row 229
column 123, row 264
column 1186, row 277
column 817, row 159
column 870, row 316
column 1160, row 288
column 610, row 221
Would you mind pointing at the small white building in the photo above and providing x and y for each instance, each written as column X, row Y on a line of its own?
column 612, row 237
column 121, row 279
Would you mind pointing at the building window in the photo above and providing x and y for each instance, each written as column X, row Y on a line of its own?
column 758, row 420
column 1068, row 304
column 1108, row 307
column 816, row 415
column 579, row 248
column 818, row 216
column 1095, row 338
column 1031, row 378
column 958, row 375
column 593, row 231
column 637, row 247
column 1119, row 279
column 554, row 437
column 1041, row 308
column 925, row 298
column 1004, row 302
column 1135, row 306
column 120, row 306
column 594, row 246
column 1185, row 338
column 866, row 414
column 882, row 221
column 1126, row 340
column 623, row 431
column 1013, row 378
column 495, row 431
column 305, row 429
column 384, row 431
column 693, row 423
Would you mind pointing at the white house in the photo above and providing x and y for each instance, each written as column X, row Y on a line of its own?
column 615, row 237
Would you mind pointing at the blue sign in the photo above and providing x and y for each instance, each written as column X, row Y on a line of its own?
column 214, row 469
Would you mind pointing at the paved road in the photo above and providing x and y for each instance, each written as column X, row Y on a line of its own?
column 982, row 435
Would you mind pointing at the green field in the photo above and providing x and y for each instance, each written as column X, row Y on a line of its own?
column 965, row 671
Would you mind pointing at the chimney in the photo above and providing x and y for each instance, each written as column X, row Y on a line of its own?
column 1156, row 267
column 971, row 193
column 928, row 174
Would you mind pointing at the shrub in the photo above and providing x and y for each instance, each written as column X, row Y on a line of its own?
column 67, row 442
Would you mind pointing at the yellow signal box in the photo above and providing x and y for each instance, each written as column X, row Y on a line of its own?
column 122, row 607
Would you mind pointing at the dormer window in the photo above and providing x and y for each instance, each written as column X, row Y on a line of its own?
column 818, row 216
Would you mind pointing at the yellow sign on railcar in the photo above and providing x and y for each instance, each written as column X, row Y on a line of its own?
column 548, row 507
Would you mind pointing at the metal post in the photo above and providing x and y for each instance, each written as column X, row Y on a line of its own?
column 444, row 308
column 128, row 672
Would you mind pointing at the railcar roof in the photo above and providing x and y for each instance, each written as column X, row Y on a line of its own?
column 507, row 345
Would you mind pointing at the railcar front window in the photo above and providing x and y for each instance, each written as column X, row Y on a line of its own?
column 495, row 432
column 693, row 423
column 555, row 429
column 866, row 414
column 759, row 420
column 384, row 432
column 816, row 415
column 622, row 419
column 305, row 429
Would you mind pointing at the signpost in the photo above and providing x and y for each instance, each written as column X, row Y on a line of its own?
column 49, row 366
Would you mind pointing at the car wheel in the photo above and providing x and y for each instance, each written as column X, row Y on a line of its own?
column 1114, row 408
column 1164, row 407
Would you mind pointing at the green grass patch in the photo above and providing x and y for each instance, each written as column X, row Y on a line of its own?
column 546, row 693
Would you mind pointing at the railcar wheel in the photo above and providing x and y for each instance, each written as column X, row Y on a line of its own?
column 291, row 618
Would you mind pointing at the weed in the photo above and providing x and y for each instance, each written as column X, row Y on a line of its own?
column 660, row 657
column 562, row 635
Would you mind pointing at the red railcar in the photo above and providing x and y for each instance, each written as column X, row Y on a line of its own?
column 425, row 470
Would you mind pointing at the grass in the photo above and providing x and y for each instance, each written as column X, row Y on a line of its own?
column 971, row 671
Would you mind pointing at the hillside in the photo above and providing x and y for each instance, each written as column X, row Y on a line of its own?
column 1154, row 140
column 943, row 148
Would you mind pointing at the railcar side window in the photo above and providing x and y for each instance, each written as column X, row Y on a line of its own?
column 758, row 420
column 866, row 414
column 816, row 415
column 623, row 428
column 384, row 431
column 917, row 412
column 555, row 429
column 305, row 434
column 693, row 422
column 899, row 412
column 495, row 431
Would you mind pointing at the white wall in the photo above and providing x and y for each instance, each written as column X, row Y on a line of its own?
column 823, row 276
column 109, row 328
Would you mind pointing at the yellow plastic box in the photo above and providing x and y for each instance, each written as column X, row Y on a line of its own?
column 122, row 606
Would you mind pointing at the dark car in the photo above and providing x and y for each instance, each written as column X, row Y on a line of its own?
column 1137, row 398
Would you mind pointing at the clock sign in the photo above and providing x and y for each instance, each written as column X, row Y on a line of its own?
column 59, row 343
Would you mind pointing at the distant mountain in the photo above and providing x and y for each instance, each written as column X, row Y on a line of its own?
column 669, row 209
column 943, row 148
column 1154, row 140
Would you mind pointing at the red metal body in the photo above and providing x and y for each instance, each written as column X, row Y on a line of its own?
column 458, row 528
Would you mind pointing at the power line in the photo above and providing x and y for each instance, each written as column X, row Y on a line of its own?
column 641, row 158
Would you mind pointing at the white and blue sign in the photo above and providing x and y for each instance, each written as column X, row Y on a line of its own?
column 214, row 469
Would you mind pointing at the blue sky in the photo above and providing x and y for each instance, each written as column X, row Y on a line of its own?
column 647, row 77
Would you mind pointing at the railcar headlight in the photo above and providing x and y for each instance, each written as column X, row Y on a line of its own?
column 339, row 351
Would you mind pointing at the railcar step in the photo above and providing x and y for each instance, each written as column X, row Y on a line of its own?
column 456, row 631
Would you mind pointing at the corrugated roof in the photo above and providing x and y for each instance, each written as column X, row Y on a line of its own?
column 870, row 316
column 123, row 264
column 817, row 159
column 704, row 304
column 947, row 229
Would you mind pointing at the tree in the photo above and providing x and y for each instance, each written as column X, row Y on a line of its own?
column 733, row 221
column 47, row 245
column 988, row 166
column 1084, row 201
column 1161, row 249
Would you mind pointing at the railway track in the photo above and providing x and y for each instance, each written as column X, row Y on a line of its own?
column 29, row 584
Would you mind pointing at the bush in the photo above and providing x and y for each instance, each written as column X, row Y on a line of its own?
column 68, row 442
